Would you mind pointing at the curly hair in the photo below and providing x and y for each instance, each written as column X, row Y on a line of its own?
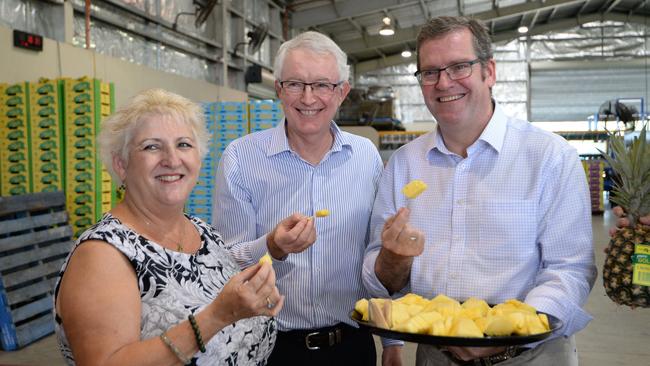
column 118, row 129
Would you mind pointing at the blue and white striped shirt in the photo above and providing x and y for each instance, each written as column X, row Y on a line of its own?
column 512, row 220
column 261, row 181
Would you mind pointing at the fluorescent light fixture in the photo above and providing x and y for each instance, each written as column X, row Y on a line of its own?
column 406, row 53
column 386, row 29
column 523, row 29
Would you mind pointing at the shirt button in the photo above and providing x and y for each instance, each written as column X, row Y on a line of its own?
column 460, row 202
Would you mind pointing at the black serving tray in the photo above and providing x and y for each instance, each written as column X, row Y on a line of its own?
column 486, row 341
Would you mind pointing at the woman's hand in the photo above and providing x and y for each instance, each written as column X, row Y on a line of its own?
column 250, row 293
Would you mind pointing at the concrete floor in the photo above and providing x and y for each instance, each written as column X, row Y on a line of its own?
column 616, row 336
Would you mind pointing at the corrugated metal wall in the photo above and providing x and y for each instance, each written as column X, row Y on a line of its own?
column 576, row 92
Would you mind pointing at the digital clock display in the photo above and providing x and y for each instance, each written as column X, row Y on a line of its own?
column 28, row 41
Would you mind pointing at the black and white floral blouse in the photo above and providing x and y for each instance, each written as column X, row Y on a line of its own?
column 173, row 285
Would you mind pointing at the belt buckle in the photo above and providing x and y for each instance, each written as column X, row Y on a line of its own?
column 309, row 346
column 333, row 337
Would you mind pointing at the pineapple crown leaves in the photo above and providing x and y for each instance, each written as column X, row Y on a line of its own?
column 632, row 164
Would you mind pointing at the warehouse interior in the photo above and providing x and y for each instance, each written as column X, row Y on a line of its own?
column 578, row 68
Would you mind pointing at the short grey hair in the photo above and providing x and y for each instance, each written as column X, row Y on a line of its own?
column 117, row 131
column 441, row 26
column 314, row 42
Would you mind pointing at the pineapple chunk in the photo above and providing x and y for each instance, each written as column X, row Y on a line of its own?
column 266, row 258
column 361, row 307
column 322, row 213
column 413, row 299
column 400, row 314
column 380, row 313
column 521, row 305
column 535, row 325
column 441, row 327
column 465, row 327
column 444, row 316
column 419, row 324
column 499, row 325
column 474, row 308
column 414, row 188
column 544, row 320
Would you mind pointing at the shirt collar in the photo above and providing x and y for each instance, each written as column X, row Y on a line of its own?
column 493, row 134
column 280, row 142
column 495, row 131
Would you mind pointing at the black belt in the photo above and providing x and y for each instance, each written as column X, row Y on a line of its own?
column 510, row 352
column 314, row 339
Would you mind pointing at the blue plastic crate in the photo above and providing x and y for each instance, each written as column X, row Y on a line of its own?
column 199, row 209
column 232, row 125
column 263, row 116
column 199, row 201
column 231, row 135
column 241, row 118
column 264, row 106
column 229, row 107
column 259, row 126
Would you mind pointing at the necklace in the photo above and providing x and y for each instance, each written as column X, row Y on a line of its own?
column 179, row 242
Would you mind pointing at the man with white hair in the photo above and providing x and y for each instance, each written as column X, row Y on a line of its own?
column 270, row 185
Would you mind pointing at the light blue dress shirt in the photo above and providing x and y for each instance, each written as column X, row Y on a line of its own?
column 512, row 220
column 261, row 181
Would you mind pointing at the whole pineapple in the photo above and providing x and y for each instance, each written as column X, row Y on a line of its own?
column 632, row 193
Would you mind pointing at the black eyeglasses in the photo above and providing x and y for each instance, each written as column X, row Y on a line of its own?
column 319, row 88
column 457, row 71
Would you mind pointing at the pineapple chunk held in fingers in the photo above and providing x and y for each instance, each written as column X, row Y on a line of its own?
column 414, row 188
column 266, row 258
column 323, row 213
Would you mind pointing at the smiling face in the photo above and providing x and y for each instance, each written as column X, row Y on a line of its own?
column 307, row 113
column 465, row 102
column 163, row 164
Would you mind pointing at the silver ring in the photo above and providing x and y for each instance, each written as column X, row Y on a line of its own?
column 413, row 238
column 269, row 304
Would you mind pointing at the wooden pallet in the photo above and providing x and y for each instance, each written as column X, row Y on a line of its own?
column 35, row 239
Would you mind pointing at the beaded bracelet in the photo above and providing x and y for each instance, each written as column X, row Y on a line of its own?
column 175, row 349
column 197, row 333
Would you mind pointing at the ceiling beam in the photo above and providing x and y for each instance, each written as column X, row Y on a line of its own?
column 410, row 34
column 638, row 7
column 425, row 9
column 397, row 59
column 612, row 6
column 582, row 8
column 379, row 63
column 570, row 23
column 371, row 42
column 533, row 21
column 524, row 8
column 349, row 8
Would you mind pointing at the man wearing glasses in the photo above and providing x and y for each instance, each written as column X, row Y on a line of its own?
column 506, row 215
column 270, row 185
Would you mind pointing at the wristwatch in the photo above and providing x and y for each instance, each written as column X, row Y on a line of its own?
column 510, row 352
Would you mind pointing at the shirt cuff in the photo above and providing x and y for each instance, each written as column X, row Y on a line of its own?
column 573, row 317
column 388, row 342
column 257, row 249
column 370, row 280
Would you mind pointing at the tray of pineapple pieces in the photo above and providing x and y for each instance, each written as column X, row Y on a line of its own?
column 446, row 322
